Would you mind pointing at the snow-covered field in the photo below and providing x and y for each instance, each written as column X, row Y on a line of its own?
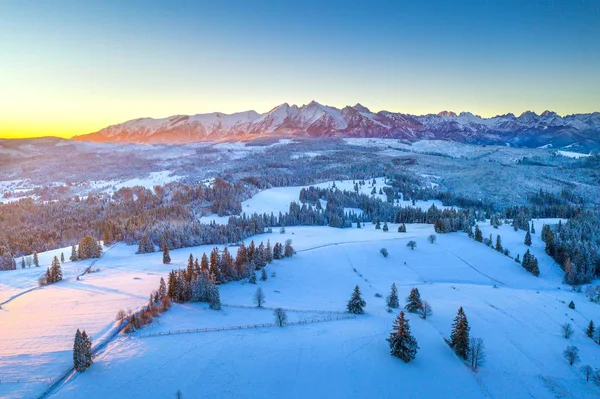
column 518, row 315
column 278, row 199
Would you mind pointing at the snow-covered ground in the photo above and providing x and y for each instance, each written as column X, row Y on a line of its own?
column 518, row 315
column 278, row 199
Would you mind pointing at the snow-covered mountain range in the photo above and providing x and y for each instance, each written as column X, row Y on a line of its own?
column 316, row 120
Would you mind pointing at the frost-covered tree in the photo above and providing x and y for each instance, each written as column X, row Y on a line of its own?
column 385, row 227
column 571, row 353
column 356, row 303
column 402, row 343
column 499, row 243
column 587, row 371
column 288, row 250
column 476, row 352
column 252, row 279
column 459, row 337
column 384, row 252
column 269, row 252
column 78, row 352
column 74, row 253
column 280, row 317
column 432, row 238
column 259, row 297
column 392, row 300
column 162, row 289
column 214, row 298
column 425, row 310
column 567, row 330
column 87, row 350
column 412, row 244
column 62, row 257
column 166, row 255
column 36, row 261
column 263, row 275
column 55, row 271
column 402, row 228
column 413, row 301
column 377, row 224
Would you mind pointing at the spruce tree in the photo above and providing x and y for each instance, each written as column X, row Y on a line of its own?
column 87, row 350
column 62, row 257
column 532, row 228
column 162, row 289
column 268, row 252
column 36, row 261
column 378, row 224
column 166, row 255
column 413, row 301
column 263, row 275
column 402, row 344
column 55, row 271
column 478, row 234
column 402, row 228
column 459, row 338
column 78, row 356
column 358, row 224
column 23, row 262
column 74, row 253
column 215, row 298
column 385, row 227
column 392, row 299
column 498, row 243
column 528, row 239
column 589, row 331
column 356, row 303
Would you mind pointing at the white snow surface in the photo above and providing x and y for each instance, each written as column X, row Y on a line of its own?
column 518, row 315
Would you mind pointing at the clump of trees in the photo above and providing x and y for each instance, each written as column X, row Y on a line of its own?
column 530, row 263
column 53, row 273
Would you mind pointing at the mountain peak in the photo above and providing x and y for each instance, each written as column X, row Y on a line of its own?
column 361, row 108
column 448, row 114
column 548, row 114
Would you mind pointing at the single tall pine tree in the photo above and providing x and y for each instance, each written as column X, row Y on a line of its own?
column 36, row 261
column 62, row 257
column 162, row 289
column 392, row 300
column 589, row 331
column 402, row 343
column 356, row 303
column 87, row 350
column 413, row 301
column 459, row 338
column 78, row 360
column 528, row 239
column 498, row 243
column 478, row 234
column 166, row 255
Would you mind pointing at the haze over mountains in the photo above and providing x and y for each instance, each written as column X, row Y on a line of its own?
column 579, row 131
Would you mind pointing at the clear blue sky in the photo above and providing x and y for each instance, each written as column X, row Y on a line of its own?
column 72, row 67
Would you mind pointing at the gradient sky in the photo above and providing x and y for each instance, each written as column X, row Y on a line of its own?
column 74, row 67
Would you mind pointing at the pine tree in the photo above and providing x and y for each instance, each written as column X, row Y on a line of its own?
column 78, row 352
column 87, row 350
column 589, row 331
column 517, row 259
column 288, row 250
column 36, row 261
column 532, row 228
column 392, row 299
column 402, row 228
column 402, row 344
column 166, row 255
column 215, row 298
column 74, row 253
column 358, row 226
column 498, row 243
column 356, row 303
column 62, row 257
column 23, row 262
column 377, row 223
column 528, row 239
column 385, row 227
column 269, row 252
column 478, row 234
column 459, row 338
column 55, row 271
column 263, row 275
column 162, row 289
column 413, row 301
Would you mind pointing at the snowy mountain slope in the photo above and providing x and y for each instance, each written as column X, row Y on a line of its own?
column 519, row 321
column 317, row 120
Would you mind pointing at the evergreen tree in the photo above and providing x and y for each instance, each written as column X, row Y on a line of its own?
column 269, row 252
column 36, row 261
column 413, row 301
column 87, row 350
column 589, row 331
column 392, row 299
column 532, row 228
column 55, row 271
column 358, row 226
column 162, row 289
column 356, row 303
column 78, row 352
column 62, row 257
column 23, row 262
column 215, row 298
column 288, row 251
column 528, row 239
column 166, row 255
column 459, row 338
column 478, row 234
column 498, row 243
column 517, row 259
column 263, row 275
column 204, row 265
column 402, row 343
column 252, row 279
column 402, row 228
column 74, row 253
column 377, row 223
column 385, row 227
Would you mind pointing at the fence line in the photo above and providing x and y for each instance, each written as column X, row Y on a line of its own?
column 25, row 380
column 244, row 327
column 286, row 309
